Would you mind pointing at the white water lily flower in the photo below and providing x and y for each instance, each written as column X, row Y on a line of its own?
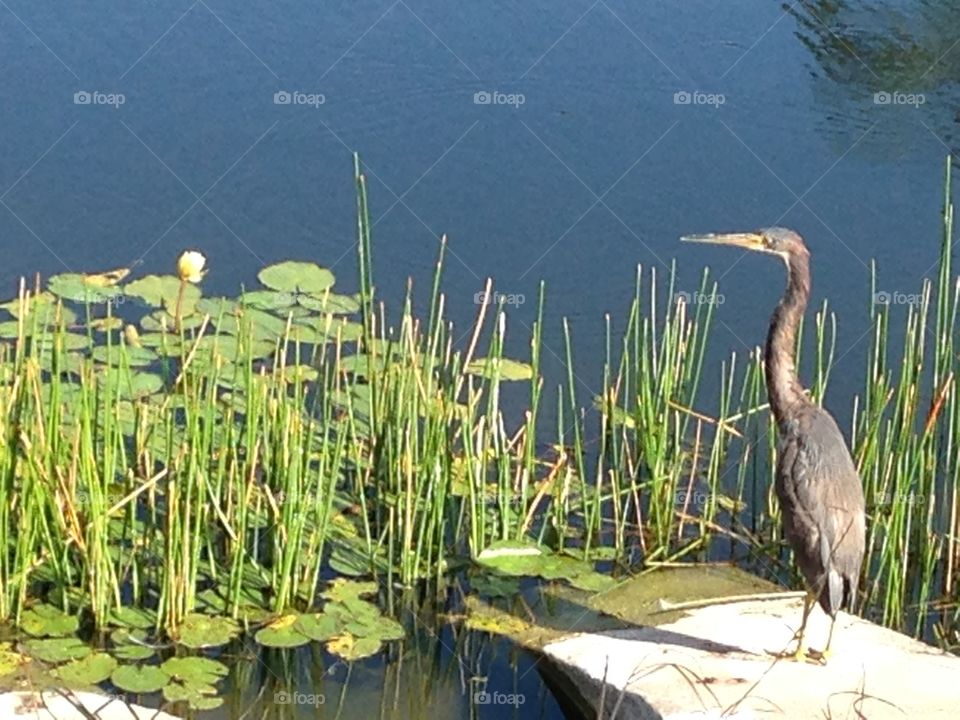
column 190, row 266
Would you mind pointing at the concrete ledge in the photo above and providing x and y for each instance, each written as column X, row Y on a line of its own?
column 62, row 705
column 716, row 660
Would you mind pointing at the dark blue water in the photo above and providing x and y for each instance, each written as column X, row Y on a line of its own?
column 565, row 142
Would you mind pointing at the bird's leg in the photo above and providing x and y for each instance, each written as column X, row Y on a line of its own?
column 808, row 601
column 800, row 652
column 824, row 655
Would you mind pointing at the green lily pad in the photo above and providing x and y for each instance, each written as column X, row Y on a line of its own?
column 161, row 291
column 82, row 288
column 282, row 633
column 593, row 582
column 105, row 324
column 319, row 626
column 504, row 368
column 119, row 355
column 139, row 679
column 132, row 385
column 268, row 299
column 10, row 660
column 48, row 621
column 130, row 644
column 90, row 670
column 203, row 631
column 199, row 696
column 350, row 648
column 344, row 590
column 195, row 669
column 330, row 303
column 293, row 276
column 57, row 650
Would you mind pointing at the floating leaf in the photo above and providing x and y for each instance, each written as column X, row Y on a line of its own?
column 199, row 696
column 85, row 289
column 318, row 626
column 195, row 669
column 130, row 385
column 139, row 680
column 295, row 276
column 130, row 644
column 119, row 355
column 330, row 303
column 593, row 582
column 268, row 299
column 57, row 650
column 343, row 590
column 90, row 670
column 202, row 631
column 282, row 633
column 48, row 621
column 162, row 290
column 351, row 648
column 504, row 368
column 10, row 660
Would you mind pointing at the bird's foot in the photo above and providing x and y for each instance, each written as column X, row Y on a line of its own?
column 819, row 656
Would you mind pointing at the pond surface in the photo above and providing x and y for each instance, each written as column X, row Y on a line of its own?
column 563, row 142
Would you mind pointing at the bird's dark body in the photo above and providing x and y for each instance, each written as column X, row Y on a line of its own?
column 821, row 498
column 822, row 506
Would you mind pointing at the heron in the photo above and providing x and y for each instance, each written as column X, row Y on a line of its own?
column 820, row 493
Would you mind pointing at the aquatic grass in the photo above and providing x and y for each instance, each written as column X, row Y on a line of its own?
column 231, row 456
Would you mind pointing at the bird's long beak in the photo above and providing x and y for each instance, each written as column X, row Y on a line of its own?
column 747, row 240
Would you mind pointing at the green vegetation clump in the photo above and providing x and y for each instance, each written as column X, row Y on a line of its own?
column 177, row 467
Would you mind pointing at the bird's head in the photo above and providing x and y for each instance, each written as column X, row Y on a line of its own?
column 775, row 240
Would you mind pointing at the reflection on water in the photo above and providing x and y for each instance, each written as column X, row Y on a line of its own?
column 893, row 63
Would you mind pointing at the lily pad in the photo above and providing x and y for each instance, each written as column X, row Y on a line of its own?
column 504, row 368
column 82, row 288
column 135, row 384
column 319, row 626
column 139, row 680
column 203, row 631
column 133, row 617
column 10, row 660
column 57, row 650
column 282, row 633
column 195, row 669
column 118, row 355
column 161, row 291
column 130, row 644
column 48, row 621
column 343, row 590
column 330, row 303
column 351, row 648
column 199, row 696
column 90, row 670
column 293, row 276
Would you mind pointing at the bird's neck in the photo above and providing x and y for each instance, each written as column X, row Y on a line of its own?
column 783, row 385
